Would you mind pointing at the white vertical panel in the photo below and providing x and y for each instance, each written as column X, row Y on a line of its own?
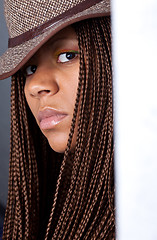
column 135, row 82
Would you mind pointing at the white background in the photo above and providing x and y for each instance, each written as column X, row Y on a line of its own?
column 135, row 85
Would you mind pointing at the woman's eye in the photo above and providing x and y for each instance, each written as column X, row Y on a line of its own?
column 67, row 56
column 30, row 70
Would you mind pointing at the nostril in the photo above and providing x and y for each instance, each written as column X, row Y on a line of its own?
column 43, row 91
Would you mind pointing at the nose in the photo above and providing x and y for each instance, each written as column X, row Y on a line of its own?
column 42, row 83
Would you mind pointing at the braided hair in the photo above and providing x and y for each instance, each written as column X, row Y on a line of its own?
column 70, row 195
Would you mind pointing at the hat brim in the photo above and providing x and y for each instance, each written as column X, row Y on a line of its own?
column 14, row 58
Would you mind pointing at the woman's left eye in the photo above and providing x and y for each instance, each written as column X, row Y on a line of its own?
column 67, row 56
column 30, row 70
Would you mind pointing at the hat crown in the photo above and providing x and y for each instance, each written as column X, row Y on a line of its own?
column 24, row 15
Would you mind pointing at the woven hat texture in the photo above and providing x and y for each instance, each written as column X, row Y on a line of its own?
column 33, row 22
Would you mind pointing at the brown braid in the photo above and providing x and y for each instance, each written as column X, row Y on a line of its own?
column 52, row 196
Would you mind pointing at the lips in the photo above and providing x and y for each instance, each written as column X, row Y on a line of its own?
column 49, row 118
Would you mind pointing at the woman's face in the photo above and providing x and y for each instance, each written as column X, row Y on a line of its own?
column 51, row 87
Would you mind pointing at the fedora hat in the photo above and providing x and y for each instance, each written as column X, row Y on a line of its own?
column 31, row 23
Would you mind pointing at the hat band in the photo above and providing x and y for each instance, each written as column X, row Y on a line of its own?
column 52, row 22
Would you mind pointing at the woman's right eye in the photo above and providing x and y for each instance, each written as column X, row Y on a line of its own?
column 30, row 70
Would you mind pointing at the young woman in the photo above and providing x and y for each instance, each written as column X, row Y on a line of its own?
column 61, row 182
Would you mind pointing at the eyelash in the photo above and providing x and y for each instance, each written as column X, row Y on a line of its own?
column 58, row 55
column 29, row 68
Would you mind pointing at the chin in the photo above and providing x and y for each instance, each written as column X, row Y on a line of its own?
column 59, row 144
column 57, row 149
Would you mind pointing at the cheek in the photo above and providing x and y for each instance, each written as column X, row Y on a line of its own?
column 72, row 85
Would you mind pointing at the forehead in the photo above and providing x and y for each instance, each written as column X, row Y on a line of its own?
column 63, row 37
column 66, row 34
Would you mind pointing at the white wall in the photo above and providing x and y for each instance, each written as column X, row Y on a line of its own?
column 135, row 84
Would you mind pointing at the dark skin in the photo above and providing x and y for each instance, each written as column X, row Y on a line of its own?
column 51, row 85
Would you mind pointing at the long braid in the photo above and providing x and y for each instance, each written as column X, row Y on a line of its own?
column 10, row 210
column 85, row 161
column 31, row 165
column 103, row 130
column 20, row 223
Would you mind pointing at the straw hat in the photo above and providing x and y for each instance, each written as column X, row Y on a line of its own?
column 33, row 22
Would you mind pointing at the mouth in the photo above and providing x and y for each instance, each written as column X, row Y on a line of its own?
column 49, row 118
